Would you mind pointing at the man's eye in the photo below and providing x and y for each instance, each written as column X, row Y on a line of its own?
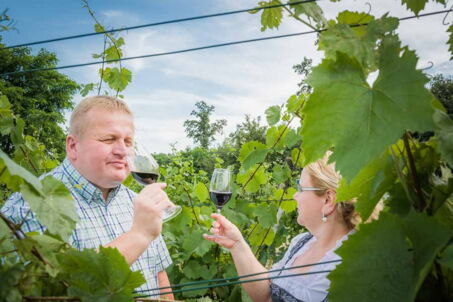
column 108, row 140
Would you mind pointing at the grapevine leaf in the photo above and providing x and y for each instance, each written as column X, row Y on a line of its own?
column 102, row 275
column 369, row 185
column 259, row 178
column 275, row 136
column 291, row 138
column 117, row 79
column 418, row 5
column 253, row 158
column 98, row 28
column 248, row 148
column 367, row 119
column 444, row 131
column 87, row 88
column 358, row 42
column 54, row 208
column 201, row 192
column 266, row 214
column 297, row 157
column 281, row 173
column 5, row 236
column 294, row 103
column 428, row 237
column 195, row 244
column 446, row 258
column 192, row 293
column 379, row 250
column 311, row 10
column 14, row 175
column 9, row 281
column 191, row 269
column 113, row 53
column 271, row 17
column 273, row 115
column 289, row 206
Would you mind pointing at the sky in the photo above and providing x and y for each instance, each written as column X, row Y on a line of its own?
column 237, row 80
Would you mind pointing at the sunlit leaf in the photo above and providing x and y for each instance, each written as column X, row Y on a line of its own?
column 367, row 119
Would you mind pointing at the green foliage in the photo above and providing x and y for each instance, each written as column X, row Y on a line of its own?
column 418, row 5
column 42, row 97
column 99, row 276
column 364, row 115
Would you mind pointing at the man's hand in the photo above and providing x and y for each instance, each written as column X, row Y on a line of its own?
column 148, row 211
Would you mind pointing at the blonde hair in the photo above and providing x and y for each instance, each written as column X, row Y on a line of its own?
column 76, row 124
column 324, row 176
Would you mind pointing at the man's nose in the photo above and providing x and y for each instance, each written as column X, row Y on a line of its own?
column 120, row 148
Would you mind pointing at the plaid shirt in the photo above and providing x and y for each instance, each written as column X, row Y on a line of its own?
column 99, row 221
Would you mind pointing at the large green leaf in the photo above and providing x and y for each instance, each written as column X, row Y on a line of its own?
column 9, row 281
column 377, row 264
column 428, row 237
column 54, row 208
column 357, row 42
column 444, row 131
column 117, row 79
column 255, row 157
column 369, row 185
column 446, row 258
column 359, row 120
column 14, row 175
column 102, row 275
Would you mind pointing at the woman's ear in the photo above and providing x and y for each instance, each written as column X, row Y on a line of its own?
column 330, row 202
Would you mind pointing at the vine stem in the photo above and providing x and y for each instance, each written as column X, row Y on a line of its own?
column 300, row 20
column 191, row 205
column 29, row 160
column 417, row 186
column 106, row 35
column 272, row 147
column 102, row 67
column 269, row 229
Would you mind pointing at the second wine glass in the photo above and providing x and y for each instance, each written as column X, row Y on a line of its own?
column 220, row 187
column 145, row 170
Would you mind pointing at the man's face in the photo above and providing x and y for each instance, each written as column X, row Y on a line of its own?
column 99, row 153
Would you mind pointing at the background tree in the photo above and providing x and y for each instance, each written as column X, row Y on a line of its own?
column 200, row 129
column 42, row 97
column 442, row 88
column 303, row 69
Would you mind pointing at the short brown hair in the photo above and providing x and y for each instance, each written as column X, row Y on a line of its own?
column 110, row 103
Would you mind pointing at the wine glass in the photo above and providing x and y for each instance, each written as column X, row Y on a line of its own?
column 220, row 187
column 145, row 170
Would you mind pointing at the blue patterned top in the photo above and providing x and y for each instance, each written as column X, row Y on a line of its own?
column 303, row 288
column 100, row 221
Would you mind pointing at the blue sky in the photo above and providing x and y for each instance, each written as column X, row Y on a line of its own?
column 238, row 80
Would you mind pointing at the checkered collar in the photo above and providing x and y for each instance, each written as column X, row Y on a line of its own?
column 84, row 188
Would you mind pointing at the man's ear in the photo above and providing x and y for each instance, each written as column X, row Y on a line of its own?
column 71, row 147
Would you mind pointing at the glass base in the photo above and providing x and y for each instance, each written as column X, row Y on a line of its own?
column 170, row 213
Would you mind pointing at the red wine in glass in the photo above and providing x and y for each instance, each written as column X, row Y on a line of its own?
column 144, row 178
column 220, row 187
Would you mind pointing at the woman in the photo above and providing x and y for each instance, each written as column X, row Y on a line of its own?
column 329, row 223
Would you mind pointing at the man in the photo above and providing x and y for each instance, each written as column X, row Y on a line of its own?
column 101, row 134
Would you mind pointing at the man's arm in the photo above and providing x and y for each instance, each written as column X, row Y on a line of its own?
column 162, row 280
column 147, row 223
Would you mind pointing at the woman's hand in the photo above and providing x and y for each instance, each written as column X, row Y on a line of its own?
column 225, row 233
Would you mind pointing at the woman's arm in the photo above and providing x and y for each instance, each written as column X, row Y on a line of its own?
column 228, row 235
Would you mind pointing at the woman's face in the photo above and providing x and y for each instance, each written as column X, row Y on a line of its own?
column 309, row 205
